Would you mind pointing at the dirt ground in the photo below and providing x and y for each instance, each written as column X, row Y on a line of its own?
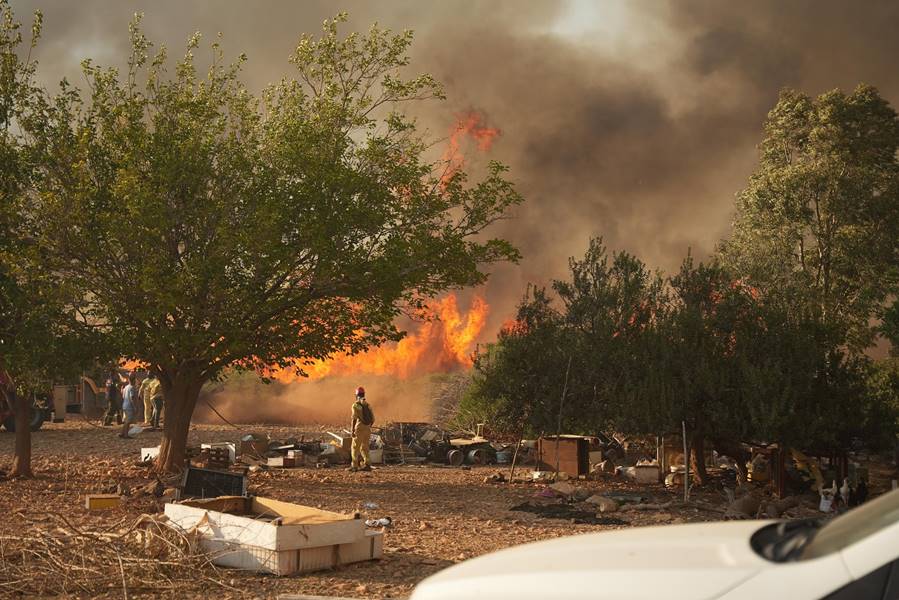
column 441, row 515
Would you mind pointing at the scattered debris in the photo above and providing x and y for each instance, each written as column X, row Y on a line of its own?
column 149, row 454
column 643, row 472
column 495, row 478
column 567, row 512
column 209, row 483
column 603, row 504
column 775, row 509
column 745, row 507
column 649, row 506
column 545, row 493
column 562, row 488
column 382, row 522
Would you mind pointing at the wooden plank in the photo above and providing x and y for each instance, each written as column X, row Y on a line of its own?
column 101, row 501
column 291, row 537
column 296, row 514
column 236, row 505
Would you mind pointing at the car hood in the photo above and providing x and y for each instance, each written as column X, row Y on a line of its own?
column 702, row 560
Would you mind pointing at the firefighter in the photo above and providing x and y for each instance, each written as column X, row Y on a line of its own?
column 363, row 419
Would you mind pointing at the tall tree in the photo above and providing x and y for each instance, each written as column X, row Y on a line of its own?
column 42, row 337
column 518, row 382
column 208, row 228
column 820, row 215
column 15, row 74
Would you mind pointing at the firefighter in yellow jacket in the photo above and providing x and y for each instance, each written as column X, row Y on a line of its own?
column 363, row 419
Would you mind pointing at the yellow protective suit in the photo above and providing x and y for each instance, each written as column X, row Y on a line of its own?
column 361, row 438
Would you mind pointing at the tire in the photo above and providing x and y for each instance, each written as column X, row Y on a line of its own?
column 37, row 419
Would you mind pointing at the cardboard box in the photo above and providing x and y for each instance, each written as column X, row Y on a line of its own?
column 285, row 462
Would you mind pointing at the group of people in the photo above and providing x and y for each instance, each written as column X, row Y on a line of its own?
column 129, row 402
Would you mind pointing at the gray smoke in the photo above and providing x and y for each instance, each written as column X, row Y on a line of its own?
column 633, row 120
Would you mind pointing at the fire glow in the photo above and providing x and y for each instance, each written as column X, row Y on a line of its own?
column 470, row 125
column 440, row 344
column 443, row 343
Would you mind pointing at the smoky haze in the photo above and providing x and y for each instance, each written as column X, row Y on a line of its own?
column 636, row 120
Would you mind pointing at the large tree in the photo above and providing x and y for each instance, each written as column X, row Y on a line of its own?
column 209, row 228
column 42, row 338
column 17, row 319
column 820, row 216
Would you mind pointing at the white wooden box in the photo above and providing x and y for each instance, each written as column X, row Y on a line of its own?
column 301, row 560
column 262, row 534
column 266, row 523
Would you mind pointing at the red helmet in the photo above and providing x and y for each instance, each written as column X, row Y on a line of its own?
column 360, row 391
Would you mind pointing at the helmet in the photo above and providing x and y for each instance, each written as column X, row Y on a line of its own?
column 360, row 392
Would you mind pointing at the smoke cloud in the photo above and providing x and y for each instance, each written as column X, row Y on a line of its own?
column 634, row 120
column 326, row 401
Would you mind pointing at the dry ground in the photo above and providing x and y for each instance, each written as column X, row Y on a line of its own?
column 441, row 515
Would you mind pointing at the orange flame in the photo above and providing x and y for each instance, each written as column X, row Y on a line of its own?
column 441, row 344
column 469, row 125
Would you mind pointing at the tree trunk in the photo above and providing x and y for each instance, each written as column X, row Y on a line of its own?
column 21, row 466
column 181, row 391
column 697, row 460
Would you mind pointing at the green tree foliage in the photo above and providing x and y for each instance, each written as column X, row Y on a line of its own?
column 208, row 228
column 889, row 327
column 701, row 348
column 820, row 216
column 40, row 337
column 518, row 381
column 882, row 404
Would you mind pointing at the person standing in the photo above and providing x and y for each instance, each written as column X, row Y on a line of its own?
column 113, row 400
column 145, row 399
column 129, row 406
column 155, row 392
column 362, row 420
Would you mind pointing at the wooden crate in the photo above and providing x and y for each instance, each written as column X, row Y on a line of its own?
column 574, row 454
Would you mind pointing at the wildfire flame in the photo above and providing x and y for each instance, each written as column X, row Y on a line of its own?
column 471, row 125
column 440, row 344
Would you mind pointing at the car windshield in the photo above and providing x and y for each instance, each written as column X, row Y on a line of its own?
column 855, row 525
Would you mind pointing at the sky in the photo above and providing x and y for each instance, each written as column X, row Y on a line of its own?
column 636, row 121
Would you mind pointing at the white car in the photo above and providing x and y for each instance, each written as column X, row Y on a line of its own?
column 853, row 557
